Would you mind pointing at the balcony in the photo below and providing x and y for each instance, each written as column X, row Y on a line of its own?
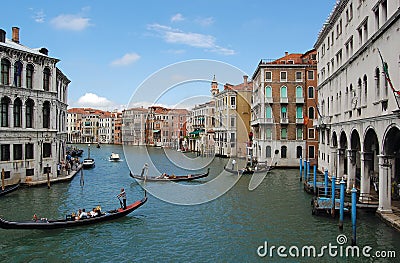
column 299, row 121
column 284, row 100
column 300, row 100
column 262, row 121
column 284, row 120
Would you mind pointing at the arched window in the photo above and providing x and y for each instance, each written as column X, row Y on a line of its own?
column 310, row 92
column 365, row 87
column 299, row 151
column 29, row 113
column 268, row 92
column 17, row 73
column 299, row 92
column 5, row 71
column 283, row 92
column 46, row 114
column 46, row 79
column 268, row 152
column 29, row 76
column 268, row 112
column 283, row 112
column 283, row 152
column 17, row 112
column 5, row 102
column 311, row 115
column 299, row 112
column 377, row 82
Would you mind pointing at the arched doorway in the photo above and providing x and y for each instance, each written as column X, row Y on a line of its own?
column 370, row 163
column 333, row 166
column 354, row 154
column 391, row 150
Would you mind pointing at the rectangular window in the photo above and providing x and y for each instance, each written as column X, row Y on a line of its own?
column 268, row 134
column 233, row 124
column 299, row 133
column 268, row 76
column 233, row 101
column 311, row 151
column 299, row 76
column 283, row 76
column 30, row 172
column 46, row 150
column 233, row 137
column 268, row 112
column 310, row 74
column 5, row 152
column 17, row 151
column 283, row 133
column 299, row 112
column 311, row 133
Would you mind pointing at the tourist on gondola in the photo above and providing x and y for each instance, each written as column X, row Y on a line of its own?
column 83, row 215
column 123, row 196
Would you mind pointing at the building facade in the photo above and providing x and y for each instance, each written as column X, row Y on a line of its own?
column 284, row 110
column 359, row 109
column 202, row 123
column 33, row 94
column 134, row 126
column 232, row 118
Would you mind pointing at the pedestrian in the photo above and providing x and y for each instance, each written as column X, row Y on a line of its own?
column 233, row 164
column 123, row 196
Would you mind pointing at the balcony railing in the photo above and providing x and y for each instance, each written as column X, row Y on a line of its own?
column 300, row 100
column 261, row 121
column 284, row 100
column 284, row 120
column 299, row 120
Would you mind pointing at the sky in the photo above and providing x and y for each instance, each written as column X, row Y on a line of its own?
column 111, row 50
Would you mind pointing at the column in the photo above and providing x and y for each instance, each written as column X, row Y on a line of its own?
column 385, row 181
column 333, row 161
column 340, row 163
column 365, row 178
column 351, row 171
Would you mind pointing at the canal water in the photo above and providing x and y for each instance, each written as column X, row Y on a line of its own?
column 230, row 228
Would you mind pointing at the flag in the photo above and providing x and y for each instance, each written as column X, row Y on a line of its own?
column 386, row 73
column 306, row 119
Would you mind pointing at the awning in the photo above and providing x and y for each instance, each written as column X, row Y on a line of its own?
column 196, row 132
column 156, row 130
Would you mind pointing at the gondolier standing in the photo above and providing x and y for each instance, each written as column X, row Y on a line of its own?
column 123, row 196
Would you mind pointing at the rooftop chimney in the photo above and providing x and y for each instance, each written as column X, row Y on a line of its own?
column 286, row 53
column 2, row 36
column 245, row 80
column 15, row 34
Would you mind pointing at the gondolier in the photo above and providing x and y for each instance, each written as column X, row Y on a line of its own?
column 123, row 196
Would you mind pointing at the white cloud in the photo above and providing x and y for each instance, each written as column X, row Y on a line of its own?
column 71, row 22
column 127, row 59
column 91, row 100
column 205, row 21
column 176, row 36
column 39, row 16
column 178, row 17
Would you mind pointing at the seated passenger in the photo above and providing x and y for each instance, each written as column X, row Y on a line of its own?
column 83, row 215
column 93, row 213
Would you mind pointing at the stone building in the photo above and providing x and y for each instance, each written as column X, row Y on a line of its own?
column 33, row 94
column 232, row 118
column 134, row 126
column 359, row 109
column 284, row 110
column 202, row 123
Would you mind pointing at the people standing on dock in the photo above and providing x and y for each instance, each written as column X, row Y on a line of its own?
column 123, row 196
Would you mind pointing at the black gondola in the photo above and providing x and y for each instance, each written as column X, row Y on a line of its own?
column 174, row 178
column 250, row 170
column 9, row 189
column 71, row 222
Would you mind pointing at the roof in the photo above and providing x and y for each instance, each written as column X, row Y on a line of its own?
column 11, row 44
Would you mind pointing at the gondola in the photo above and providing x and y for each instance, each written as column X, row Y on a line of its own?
column 71, row 222
column 174, row 178
column 9, row 189
column 250, row 170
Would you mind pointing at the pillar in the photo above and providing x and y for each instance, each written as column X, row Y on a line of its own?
column 385, row 184
column 333, row 161
column 351, row 169
column 340, row 163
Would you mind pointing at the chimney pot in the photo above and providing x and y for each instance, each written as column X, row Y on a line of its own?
column 2, row 36
column 15, row 34
column 245, row 80
column 286, row 53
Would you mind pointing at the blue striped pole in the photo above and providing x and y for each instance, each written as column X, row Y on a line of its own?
column 333, row 195
column 354, row 215
column 315, row 180
column 308, row 170
column 326, row 182
column 342, row 189
column 305, row 170
column 301, row 168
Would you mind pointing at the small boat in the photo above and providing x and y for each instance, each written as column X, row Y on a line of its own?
column 164, row 177
column 98, row 145
column 71, row 222
column 250, row 170
column 114, row 157
column 88, row 163
column 8, row 189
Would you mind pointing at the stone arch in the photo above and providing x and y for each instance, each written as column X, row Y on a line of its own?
column 355, row 157
column 334, row 139
column 342, row 158
column 371, row 152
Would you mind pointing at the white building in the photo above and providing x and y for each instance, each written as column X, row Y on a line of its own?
column 202, row 123
column 134, row 126
column 359, row 111
column 33, row 94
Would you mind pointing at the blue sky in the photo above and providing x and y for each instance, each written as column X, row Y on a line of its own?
column 108, row 48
